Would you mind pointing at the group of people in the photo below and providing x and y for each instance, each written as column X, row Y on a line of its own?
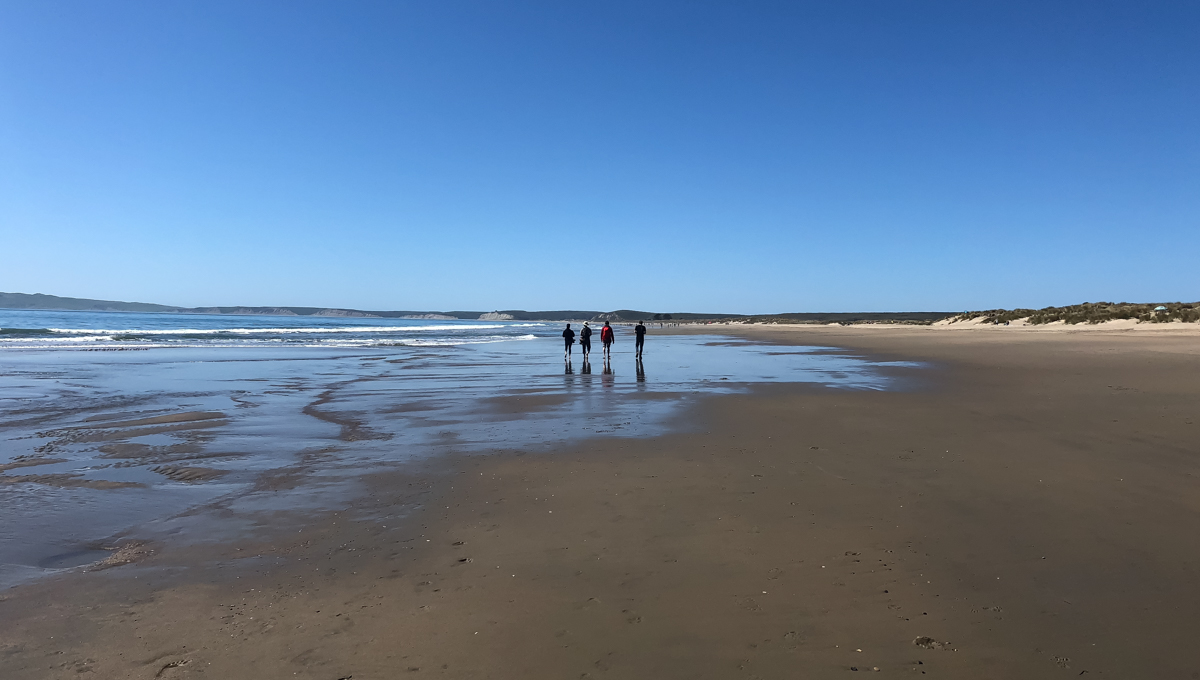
column 607, row 336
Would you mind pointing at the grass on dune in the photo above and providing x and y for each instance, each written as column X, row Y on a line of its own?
column 1090, row 313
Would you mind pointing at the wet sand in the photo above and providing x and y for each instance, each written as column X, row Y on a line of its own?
column 1029, row 510
column 94, row 446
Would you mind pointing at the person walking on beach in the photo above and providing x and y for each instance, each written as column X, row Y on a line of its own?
column 640, row 332
column 585, row 340
column 606, row 337
column 568, row 340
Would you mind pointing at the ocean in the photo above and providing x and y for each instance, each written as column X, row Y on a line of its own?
column 21, row 329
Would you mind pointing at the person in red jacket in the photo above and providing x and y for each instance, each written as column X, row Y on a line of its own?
column 606, row 337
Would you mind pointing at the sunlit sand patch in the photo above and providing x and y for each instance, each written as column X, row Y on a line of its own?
column 30, row 461
column 100, row 417
column 188, row 473
column 413, row 407
column 522, row 403
column 68, row 481
column 77, row 435
column 162, row 458
column 354, row 427
column 138, row 450
column 187, row 417
column 126, row 553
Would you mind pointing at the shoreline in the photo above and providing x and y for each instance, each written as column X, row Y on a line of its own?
column 999, row 511
column 1121, row 326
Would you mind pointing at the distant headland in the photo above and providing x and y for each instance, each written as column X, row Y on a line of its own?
column 1085, row 313
column 42, row 301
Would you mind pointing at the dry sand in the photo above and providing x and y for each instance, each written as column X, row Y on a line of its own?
column 1031, row 511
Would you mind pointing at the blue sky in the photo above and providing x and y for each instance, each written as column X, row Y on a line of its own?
column 670, row 156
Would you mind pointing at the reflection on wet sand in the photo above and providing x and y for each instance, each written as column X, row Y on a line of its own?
column 641, row 371
column 99, row 443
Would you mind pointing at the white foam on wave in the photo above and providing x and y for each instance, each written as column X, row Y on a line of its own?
column 98, row 343
column 283, row 331
column 67, row 339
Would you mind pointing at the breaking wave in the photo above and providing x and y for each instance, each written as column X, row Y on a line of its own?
column 148, row 331
column 270, row 331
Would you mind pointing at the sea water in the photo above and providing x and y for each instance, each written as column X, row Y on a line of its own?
column 20, row 329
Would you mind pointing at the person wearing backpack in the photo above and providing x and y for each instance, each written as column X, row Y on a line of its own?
column 585, row 340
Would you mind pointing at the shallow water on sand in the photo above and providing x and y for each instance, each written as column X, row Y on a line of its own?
column 94, row 443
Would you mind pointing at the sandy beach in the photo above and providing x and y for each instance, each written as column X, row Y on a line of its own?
column 1027, row 507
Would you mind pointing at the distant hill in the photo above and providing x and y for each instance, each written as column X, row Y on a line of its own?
column 54, row 302
column 40, row 301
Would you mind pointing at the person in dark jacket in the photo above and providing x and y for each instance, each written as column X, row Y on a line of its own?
column 568, row 340
column 585, row 340
column 640, row 333
column 606, row 338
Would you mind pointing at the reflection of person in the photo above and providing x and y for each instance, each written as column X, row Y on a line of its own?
column 641, row 371
column 585, row 339
column 606, row 337
column 568, row 340
column 640, row 331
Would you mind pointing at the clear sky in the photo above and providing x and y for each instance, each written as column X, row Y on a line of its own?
column 670, row 156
